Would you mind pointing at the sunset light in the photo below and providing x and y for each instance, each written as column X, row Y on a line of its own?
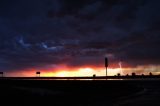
column 86, row 71
column 67, row 72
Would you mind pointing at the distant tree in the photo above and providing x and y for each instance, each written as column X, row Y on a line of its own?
column 150, row 74
column 133, row 74
column 118, row 74
column 94, row 75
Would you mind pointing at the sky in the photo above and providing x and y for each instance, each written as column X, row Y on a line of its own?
column 72, row 37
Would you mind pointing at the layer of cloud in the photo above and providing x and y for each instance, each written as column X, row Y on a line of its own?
column 38, row 33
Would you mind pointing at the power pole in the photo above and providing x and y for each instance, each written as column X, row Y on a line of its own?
column 106, row 64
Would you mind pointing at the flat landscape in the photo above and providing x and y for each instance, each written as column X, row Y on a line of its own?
column 80, row 92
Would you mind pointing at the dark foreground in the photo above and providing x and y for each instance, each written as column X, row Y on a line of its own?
column 80, row 92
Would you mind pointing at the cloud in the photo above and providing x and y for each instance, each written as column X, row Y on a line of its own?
column 45, row 33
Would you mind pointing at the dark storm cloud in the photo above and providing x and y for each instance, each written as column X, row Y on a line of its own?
column 38, row 33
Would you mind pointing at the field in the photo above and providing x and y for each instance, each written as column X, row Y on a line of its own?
column 79, row 92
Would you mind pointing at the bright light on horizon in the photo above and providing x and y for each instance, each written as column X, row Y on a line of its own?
column 84, row 71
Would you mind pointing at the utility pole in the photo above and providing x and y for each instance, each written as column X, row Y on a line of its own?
column 106, row 64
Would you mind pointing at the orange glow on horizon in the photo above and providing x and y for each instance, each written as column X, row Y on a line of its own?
column 84, row 71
